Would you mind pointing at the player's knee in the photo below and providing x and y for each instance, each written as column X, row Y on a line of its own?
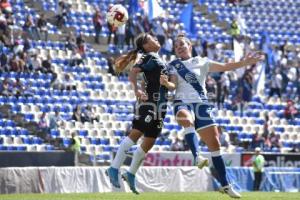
column 185, row 123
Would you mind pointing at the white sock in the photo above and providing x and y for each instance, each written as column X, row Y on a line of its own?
column 137, row 160
column 121, row 153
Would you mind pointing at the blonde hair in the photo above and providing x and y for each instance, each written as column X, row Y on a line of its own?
column 129, row 59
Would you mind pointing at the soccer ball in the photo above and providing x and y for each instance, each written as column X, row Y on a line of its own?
column 117, row 15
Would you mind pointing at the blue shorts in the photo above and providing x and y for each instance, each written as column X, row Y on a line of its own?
column 202, row 112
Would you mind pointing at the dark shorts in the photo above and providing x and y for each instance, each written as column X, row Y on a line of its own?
column 147, row 121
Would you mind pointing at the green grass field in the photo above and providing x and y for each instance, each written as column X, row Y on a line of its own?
column 152, row 196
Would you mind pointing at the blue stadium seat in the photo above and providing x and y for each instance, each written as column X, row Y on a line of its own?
column 95, row 141
column 83, row 133
column 104, row 141
column 54, row 133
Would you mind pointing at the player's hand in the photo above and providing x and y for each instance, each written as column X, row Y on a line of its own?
column 164, row 80
column 254, row 57
column 141, row 95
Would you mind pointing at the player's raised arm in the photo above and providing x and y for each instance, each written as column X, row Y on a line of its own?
column 250, row 59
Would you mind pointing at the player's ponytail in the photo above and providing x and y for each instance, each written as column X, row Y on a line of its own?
column 129, row 59
column 122, row 62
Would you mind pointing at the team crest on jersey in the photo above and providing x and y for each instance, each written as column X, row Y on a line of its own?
column 177, row 66
column 190, row 78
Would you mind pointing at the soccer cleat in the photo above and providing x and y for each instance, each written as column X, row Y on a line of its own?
column 228, row 189
column 113, row 175
column 130, row 180
column 201, row 162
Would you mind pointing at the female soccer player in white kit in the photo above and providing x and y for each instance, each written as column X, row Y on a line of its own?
column 190, row 97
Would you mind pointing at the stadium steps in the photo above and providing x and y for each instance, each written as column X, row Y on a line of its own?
column 38, row 7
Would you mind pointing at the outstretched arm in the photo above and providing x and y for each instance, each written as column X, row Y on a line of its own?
column 249, row 60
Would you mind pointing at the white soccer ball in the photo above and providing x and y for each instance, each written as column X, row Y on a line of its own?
column 117, row 15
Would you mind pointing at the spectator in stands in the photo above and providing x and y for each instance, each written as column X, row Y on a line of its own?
column 4, row 62
column 80, row 39
column 168, row 47
column 274, row 140
column 62, row 13
column 276, row 83
column 4, row 36
column 198, row 48
column 182, row 1
column 223, row 137
column 120, row 34
column 211, row 88
column 78, row 115
column 111, row 32
column 290, row 110
column 257, row 141
column 42, row 26
column 55, row 121
column 223, row 89
column 258, row 162
column 97, row 21
column 36, row 63
column 71, row 42
column 27, row 45
column 234, row 140
column 22, row 61
column 76, row 58
column 17, row 46
column 177, row 145
column 240, row 2
column 81, row 51
column 266, row 125
column 130, row 32
column 160, row 31
column 47, row 67
column 3, row 24
column 186, row 94
column 89, row 114
column 295, row 144
column 42, row 124
column 14, row 64
column 246, row 89
column 30, row 28
column 68, row 83
column 5, row 89
column 18, row 88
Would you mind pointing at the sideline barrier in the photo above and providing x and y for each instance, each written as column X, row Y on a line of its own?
column 282, row 179
column 93, row 179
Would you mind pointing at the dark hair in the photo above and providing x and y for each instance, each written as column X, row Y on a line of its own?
column 182, row 36
column 122, row 62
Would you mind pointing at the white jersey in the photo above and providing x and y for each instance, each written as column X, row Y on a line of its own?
column 185, row 91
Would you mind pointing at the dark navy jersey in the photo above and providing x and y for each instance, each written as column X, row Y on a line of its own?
column 152, row 67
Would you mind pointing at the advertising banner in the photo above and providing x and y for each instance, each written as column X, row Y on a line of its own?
column 274, row 160
column 184, row 158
